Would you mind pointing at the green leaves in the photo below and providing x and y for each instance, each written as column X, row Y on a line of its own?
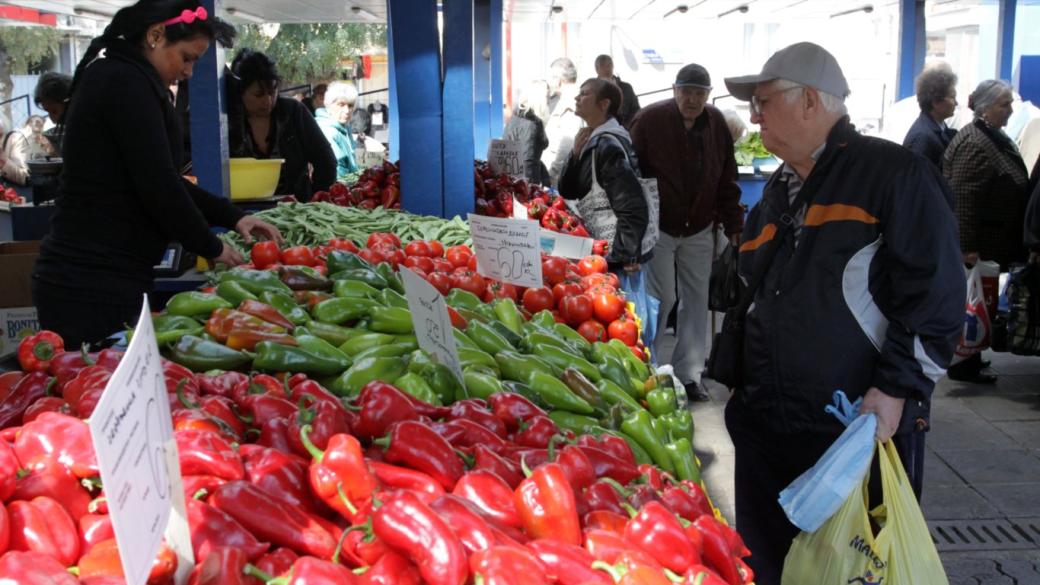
column 309, row 52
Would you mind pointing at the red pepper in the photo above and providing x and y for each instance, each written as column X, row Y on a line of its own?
column 196, row 420
column 568, row 564
column 536, row 432
column 688, row 505
column 219, row 407
column 545, row 503
column 466, row 522
column 487, row 460
column 223, row 566
column 9, row 468
column 578, row 466
column 260, row 408
column 531, row 457
column 746, row 573
column 282, row 474
column 23, row 393
column 656, row 531
column 311, row 571
column 55, row 481
column 382, row 405
column 67, row 364
column 34, row 568
column 204, row 453
column 258, row 384
column 717, row 553
column 503, row 565
column 608, row 546
column 602, row 495
column 606, row 465
column 410, row 527
column 273, row 520
column 275, row 434
column 42, row 525
column 177, row 376
column 630, row 570
column 339, row 475
column 36, row 351
column 107, row 358
column 45, row 404
column 655, row 478
column 60, row 438
column 325, row 421
column 83, row 391
column 318, row 394
column 265, row 312
column 475, row 410
column 212, row 529
column 605, row 520
column 416, row 445
column 463, row 433
column 642, row 495
column 393, row 477
column 206, row 484
column 391, row 569
column 103, row 560
column 511, row 409
column 94, row 528
column 277, row 562
column 221, row 384
column 613, row 445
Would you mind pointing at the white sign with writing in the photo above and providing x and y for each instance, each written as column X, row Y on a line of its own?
column 565, row 245
column 431, row 321
column 519, row 209
column 508, row 250
column 133, row 436
column 504, row 157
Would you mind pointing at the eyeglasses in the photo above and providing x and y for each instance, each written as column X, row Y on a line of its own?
column 759, row 102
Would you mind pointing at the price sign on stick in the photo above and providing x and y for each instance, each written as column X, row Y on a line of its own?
column 504, row 158
column 431, row 321
column 133, row 436
column 507, row 249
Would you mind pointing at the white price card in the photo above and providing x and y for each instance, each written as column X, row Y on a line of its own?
column 508, row 250
column 431, row 321
column 133, row 435
column 565, row 245
column 519, row 209
column 504, row 157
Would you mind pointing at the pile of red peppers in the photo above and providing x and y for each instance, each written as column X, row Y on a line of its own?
column 287, row 483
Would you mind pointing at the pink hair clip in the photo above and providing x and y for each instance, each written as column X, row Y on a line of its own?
column 188, row 16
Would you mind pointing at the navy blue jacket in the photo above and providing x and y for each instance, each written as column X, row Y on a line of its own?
column 872, row 295
column 927, row 139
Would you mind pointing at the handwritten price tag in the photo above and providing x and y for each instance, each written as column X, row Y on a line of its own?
column 431, row 321
column 504, row 158
column 508, row 250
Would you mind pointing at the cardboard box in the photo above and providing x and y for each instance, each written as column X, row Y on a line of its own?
column 16, row 324
column 18, row 317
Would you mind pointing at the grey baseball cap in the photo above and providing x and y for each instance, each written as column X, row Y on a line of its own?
column 805, row 63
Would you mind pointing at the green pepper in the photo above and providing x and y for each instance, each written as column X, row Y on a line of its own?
column 533, row 342
column 512, row 338
column 638, row 451
column 569, row 421
column 234, row 293
column 660, row 401
column 562, row 359
column 469, row 356
column 334, row 334
column 360, row 343
column 354, row 288
column 544, row 320
column 391, row 320
column 365, row 275
column 194, row 303
column 393, row 281
column 639, row 426
column 463, row 299
column 519, row 367
column 201, row 355
column 286, row 305
column 613, row 394
column 508, row 314
column 384, row 369
column 442, row 380
column 581, row 386
column 418, row 360
column 568, row 334
column 463, row 340
column 487, row 338
column 170, row 328
column 480, row 385
column 319, row 346
column 660, row 429
column 484, row 314
column 524, row 390
column 636, row 367
column 612, row 369
column 341, row 310
column 339, row 260
column 255, row 281
column 680, row 451
column 417, row 387
column 556, row 394
column 679, row 424
column 408, row 339
column 391, row 298
column 388, row 350
column 275, row 357
column 304, row 278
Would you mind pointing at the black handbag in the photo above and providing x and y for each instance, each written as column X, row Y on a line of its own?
column 724, row 286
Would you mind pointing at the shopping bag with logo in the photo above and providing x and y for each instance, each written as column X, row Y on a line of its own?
column 845, row 549
column 989, row 273
column 975, row 336
column 647, row 306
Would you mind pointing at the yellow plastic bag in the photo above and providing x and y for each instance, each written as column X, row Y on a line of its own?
column 845, row 550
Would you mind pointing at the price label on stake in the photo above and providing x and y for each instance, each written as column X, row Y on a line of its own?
column 137, row 455
column 504, row 157
column 431, row 321
column 508, row 250
column 565, row 245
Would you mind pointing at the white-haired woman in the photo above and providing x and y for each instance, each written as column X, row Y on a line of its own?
column 334, row 120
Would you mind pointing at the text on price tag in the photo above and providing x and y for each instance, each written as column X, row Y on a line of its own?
column 431, row 321
column 504, row 157
column 508, row 250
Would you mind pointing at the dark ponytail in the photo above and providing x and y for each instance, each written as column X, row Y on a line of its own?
column 129, row 25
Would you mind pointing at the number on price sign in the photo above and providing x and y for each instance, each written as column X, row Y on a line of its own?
column 508, row 250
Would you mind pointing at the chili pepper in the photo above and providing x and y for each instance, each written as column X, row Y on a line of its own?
column 277, row 562
column 339, row 475
column 64, row 367
column 567, row 564
column 458, row 297
column 602, row 495
column 334, row 334
column 606, row 465
column 266, row 312
column 202, row 453
column 390, row 350
column 234, row 293
column 307, row 570
column 366, row 370
column 611, row 547
column 365, row 341
column 491, row 494
column 639, row 427
column 528, row 456
column 258, row 384
column 201, row 355
column 59, row 438
column 418, row 446
column 683, row 460
column 325, row 419
column 413, row 385
column 642, row 494
column 223, row 322
column 562, row 358
column 94, row 528
column 557, row 394
column 222, row 566
column 84, row 391
column 194, row 303
column 610, row 444
column 410, row 527
column 504, row 565
column 611, row 368
column 605, row 520
column 487, row 460
column 578, row 467
column 512, row 409
column 273, row 520
column 169, row 328
column 255, row 281
column 34, row 568
column 568, row 421
column 546, row 505
column 391, row 569
column 221, row 409
column 391, row 298
column 284, row 304
column 486, row 338
column 196, row 420
column 536, row 432
column 394, row 477
column 43, row 525
column 23, row 393
column 516, row 366
column 366, row 275
column 508, row 314
column 199, row 486
column 466, row 521
column 654, row 529
column 441, row 379
column 717, row 553
column 55, row 481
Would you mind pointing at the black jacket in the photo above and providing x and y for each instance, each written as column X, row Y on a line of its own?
column 629, row 103
column 121, row 199
column 620, row 180
column 527, row 130
column 928, row 139
column 295, row 137
column 1032, row 225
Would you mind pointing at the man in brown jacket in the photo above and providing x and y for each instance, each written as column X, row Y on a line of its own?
column 684, row 143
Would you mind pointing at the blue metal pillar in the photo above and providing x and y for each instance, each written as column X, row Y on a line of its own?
column 495, row 22
column 392, row 120
column 481, row 78
column 911, row 45
column 417, row 67
column 458, row 108
column 209, row 149
column 1006, row 38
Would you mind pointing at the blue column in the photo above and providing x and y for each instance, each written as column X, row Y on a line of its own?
column 458, row 107
column 392, row 119
column 417, row 67
column 481, row 78
column 495, row 22
column 209, row 149
column 911, row 45
column 1005, row 38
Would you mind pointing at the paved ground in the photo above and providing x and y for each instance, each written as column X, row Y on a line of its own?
column 982, row 472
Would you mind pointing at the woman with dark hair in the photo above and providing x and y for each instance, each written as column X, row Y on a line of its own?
column 52, row 95
column 277, row 127
column 937, row 96
column 603, row 158
column 122, row 199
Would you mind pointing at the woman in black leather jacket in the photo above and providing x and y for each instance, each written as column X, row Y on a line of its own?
column 615, row 171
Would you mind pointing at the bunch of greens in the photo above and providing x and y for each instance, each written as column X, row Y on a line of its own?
column 749, row 148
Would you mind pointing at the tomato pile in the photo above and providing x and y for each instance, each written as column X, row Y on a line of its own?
column 378, row 186
column 9, row 195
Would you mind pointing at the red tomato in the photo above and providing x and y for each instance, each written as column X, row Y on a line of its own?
column 472, row 263
column 559, row 318
column 638, row 352
column 383, row 238
column 554, row 269
column 440, row 281
column 442, row 265
column 594, row 264
column 625, row 330
column 590, row 281
column 593, row 331
column 538, row 299
column 264, row 253
column 459, row 255
column 343, row 244
column 419, row 262
column 564, row 289
column 298, row 255
column 500, row 290
column 576, row 309
column 371, row 256
column 436, row 249
column 418, row 248
column 608, row 307
column 469, row 281
column 395, row 257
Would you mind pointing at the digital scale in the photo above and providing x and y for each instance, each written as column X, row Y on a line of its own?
column 175, row 262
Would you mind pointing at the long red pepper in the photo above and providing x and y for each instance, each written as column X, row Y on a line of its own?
column 33, row 568
column 616, row 446
column 391, row 569
column 204, row 453
column 418, row 446
column 94, row 528
column 277, row 562
column 607, row 465
column 223, row 566
column 630, row 571
column 466, row 522
column 604, row 520
column 536, row 432
column 579, row 469
column 212, row 528
column 504, row 565
column 220, row 384
column 54, row 480
column 325, row 421
column 382, row 405
column 409, row 526
column 260, row 408
column 394, row 477
column 103, row 560
column 45, row 404
column 484, row 459
column 656, row 531
column 25, row 391
column 568, row 564
column 475, row 410
column 463, row 434
column 491, row 495
column 310, row 571
column 339, row 475
column 717, row 554
column 9, row 467
column 279, row 473
column 512, row 409
column 42, row 525
column 545, row 502
column 602, row 495
column 608, row 546
column 273, row 520
column 686, row 504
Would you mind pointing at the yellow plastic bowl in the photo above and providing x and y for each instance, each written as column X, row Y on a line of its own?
column 253, row 178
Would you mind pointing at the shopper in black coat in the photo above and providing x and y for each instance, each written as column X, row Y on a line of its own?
column 937, row 96
column 122, row 199
column 527, row 128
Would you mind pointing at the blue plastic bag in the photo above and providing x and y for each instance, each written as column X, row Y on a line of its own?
column 647, row 306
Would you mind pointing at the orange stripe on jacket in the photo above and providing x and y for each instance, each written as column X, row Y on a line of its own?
column 821, row 214
column 767, row 234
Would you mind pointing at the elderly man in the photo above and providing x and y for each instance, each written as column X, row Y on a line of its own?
column 686, row 144
column 334, row 121
column 865, row 293
column 563, row 123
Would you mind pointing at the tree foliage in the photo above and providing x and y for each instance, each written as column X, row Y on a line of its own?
column 22, row 47
column 310, row 52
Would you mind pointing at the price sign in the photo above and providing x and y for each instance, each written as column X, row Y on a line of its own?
column 133, row 436
column 565, row 245
column 508, row 250
column 504, row 158
column 431, row 321
column 519, row 209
